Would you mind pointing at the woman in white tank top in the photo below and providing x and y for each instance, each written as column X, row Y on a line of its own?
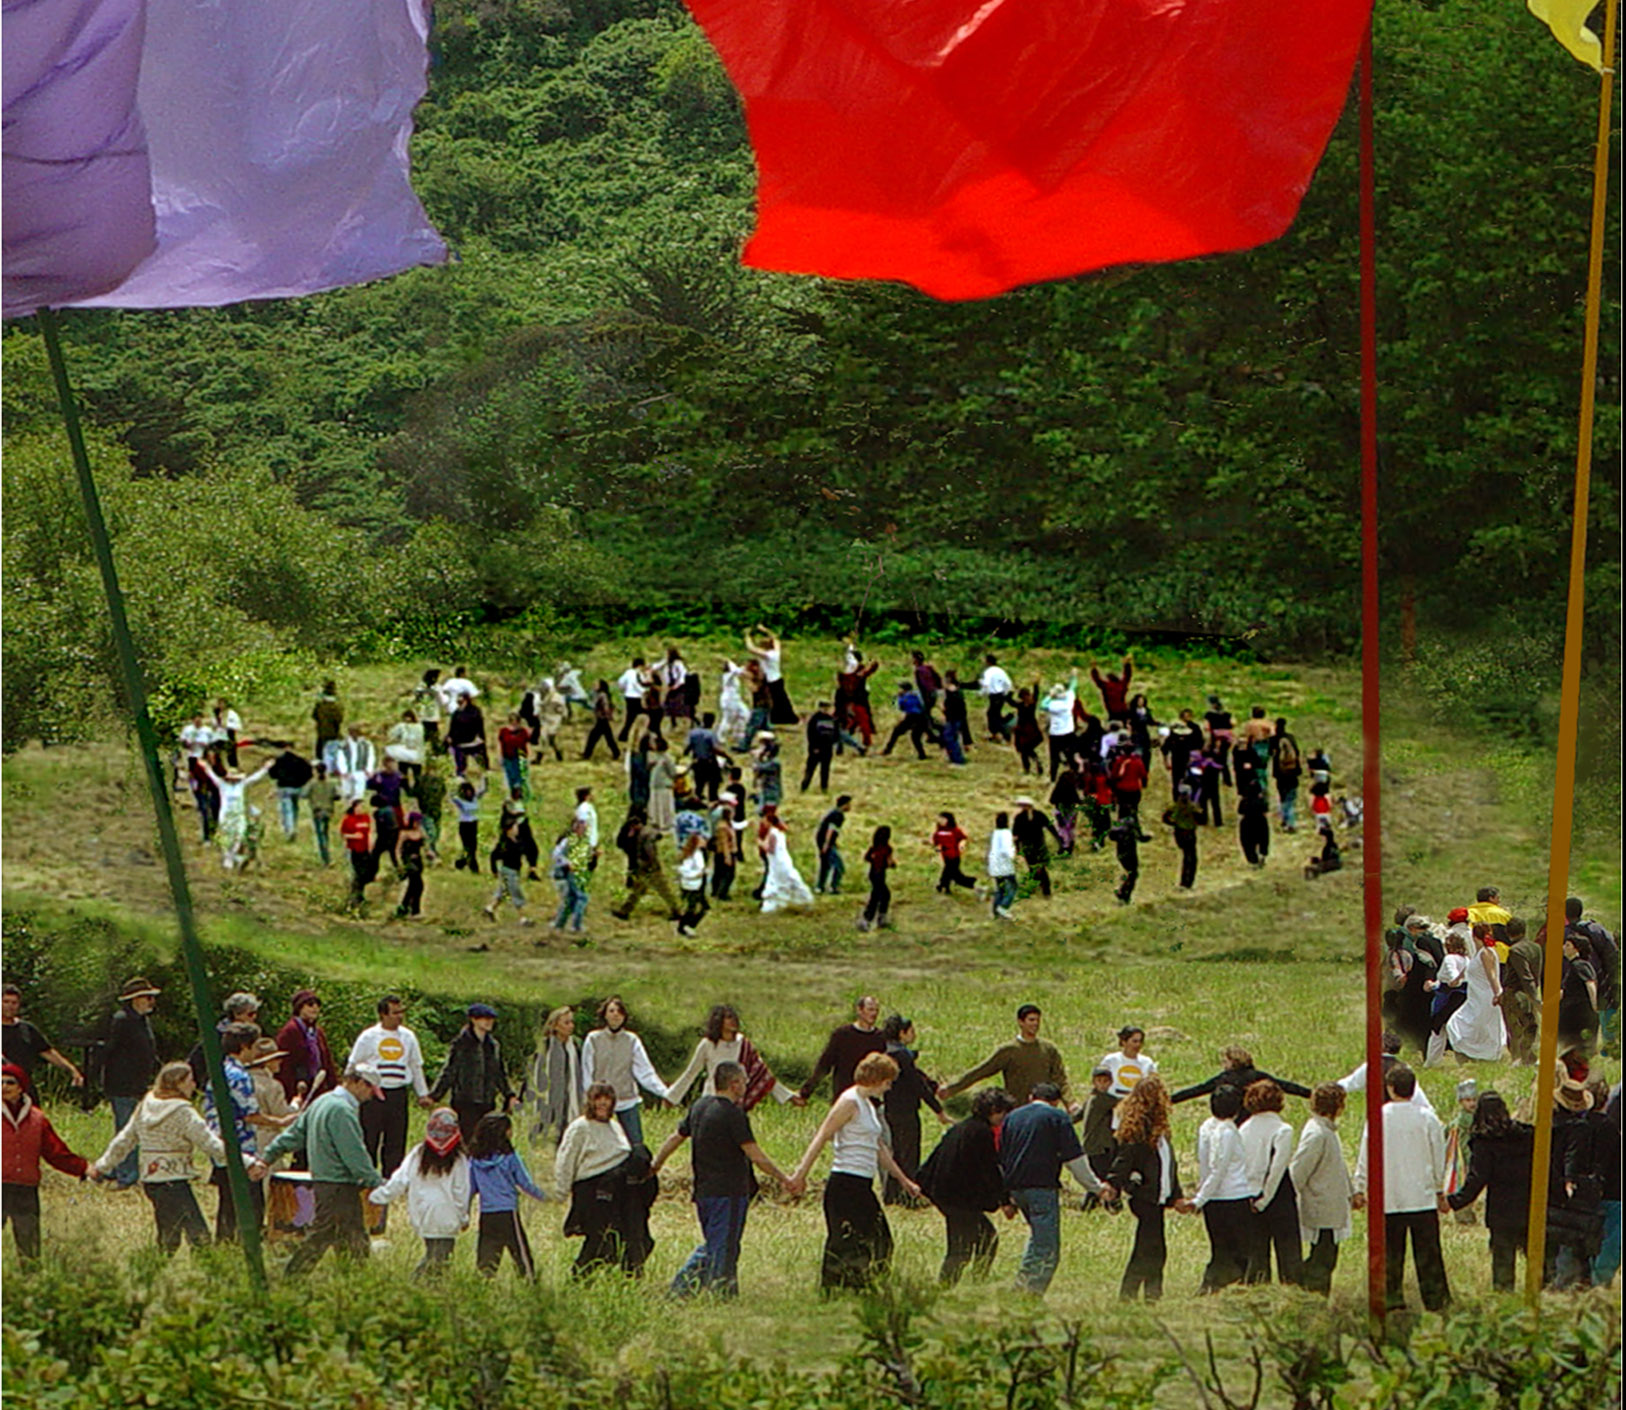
column 858, row 1240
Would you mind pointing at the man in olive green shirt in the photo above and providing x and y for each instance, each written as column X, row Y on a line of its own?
column 329, row 1133
column 1021, row 1064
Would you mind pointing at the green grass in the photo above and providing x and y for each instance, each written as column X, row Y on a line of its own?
column 1268, row 960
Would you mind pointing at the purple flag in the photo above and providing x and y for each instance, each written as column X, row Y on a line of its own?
column 277, row 135
column 73, row 157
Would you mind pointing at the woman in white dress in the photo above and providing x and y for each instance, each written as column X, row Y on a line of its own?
column 406, row 746
column 233, row 830
column 731, row 707
column 783, row 888
column 662, row 777
column 1475, row 1030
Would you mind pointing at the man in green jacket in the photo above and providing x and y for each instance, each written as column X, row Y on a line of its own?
column 329, row 1133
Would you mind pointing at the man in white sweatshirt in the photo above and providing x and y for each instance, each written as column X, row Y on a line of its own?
column 1413, row 1191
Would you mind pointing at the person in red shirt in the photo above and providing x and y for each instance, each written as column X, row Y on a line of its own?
column 1114, row 689
column 949, row 841
column 26, row 1138
column 356, row 828
column 1127, row 774
column 514, row 744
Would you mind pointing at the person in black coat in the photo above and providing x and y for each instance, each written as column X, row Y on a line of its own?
column 128, row 1062
column 1144, row 1170
column 1500, row 1150
column 962, row 1178
column 902, row 1105
column 1575, row 1187
column 1238, row 1072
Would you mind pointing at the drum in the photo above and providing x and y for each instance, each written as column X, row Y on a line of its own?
column 290, row 1206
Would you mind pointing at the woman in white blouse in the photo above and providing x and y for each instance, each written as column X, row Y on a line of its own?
column 723, row 1042
column 857, row 1238
column 615, row 1055
column 1267, row 1147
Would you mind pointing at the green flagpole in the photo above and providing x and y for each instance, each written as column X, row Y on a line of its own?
column 135, row 691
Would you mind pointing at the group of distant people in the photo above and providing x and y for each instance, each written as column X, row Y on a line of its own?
column 1270, row 1200
column 706, row 789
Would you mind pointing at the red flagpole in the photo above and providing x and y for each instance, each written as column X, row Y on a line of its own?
column 1371, row 835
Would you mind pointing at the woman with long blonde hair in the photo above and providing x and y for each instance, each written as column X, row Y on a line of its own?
column 555, row 1089
column 1144, row 1170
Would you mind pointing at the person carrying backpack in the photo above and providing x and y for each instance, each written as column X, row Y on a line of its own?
column 1287, row 766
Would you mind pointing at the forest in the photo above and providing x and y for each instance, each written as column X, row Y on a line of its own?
column 594, row 414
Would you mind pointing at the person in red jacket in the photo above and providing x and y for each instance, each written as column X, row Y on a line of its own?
column 1127, row 774
column 26, row 1138
column 1114, row 689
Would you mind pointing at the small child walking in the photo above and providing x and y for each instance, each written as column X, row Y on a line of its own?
column 435, row 1179
column 1002, row 865
column 499, row 1176
column 880, row 860
column 692, row 883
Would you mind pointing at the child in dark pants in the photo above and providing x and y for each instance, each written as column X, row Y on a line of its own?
column 1253, row 827
column 880, row 860
column 1144, row 1170
column 1126, row 838
column 29, row 1138
column 498, row 1176
column 434, row 1177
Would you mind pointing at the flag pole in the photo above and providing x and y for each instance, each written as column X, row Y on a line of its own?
column 1569, row 701
column 135, row 691
column 1371, row 824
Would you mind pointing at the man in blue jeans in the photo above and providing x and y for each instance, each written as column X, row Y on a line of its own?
column 129, row 1062
column 1036, row 1141
column 724, row 1152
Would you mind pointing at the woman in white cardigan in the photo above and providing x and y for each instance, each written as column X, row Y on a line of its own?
column 167, row 1128
column 1321, row 1181
column 723, row 1042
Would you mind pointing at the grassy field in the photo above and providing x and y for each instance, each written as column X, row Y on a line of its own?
column 1265, row 959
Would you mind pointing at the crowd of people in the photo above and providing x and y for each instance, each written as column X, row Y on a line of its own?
column 331, row 1135
column 705, row 789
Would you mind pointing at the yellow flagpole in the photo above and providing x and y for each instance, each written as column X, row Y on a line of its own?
column 1558, row 860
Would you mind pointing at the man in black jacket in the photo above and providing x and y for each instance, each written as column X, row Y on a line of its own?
column 1028, row 829
column 129, row 1061
column 290, row 772
column 963, row 1179
column 822, row 736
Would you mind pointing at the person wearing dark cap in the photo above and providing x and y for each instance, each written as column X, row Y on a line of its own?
column 129, row 1062
column 473, row 1074
column 308, row 1070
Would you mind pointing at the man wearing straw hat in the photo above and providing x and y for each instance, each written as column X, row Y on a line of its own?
column 129, row 1062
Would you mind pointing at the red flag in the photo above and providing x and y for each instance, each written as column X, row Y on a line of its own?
column 968, row 146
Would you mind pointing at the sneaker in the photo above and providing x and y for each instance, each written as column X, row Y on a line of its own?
column 490, row 913
column 526, row 920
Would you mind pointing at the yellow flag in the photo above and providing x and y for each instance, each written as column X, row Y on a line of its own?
column 1567, row 20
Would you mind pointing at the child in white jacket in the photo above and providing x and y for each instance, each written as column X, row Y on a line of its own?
column 435, row 1179
column 167, row 1128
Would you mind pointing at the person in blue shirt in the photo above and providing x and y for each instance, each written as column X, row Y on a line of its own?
column 1035, row 1143
column 498, row 1176
column 916, row 720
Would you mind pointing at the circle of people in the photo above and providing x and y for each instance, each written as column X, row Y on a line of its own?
column 701, row 777
column 1262, row 1194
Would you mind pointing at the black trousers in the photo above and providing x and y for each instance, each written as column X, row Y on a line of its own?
column 501, row 1231
column 708, row 778
column 998, row 726
column 21, row 1205
column 1423, row 1229
column 338, row 1225
column 635, row 708
column 1318, row 1267
column 468, row 833
column 468, row 1117
column 1505, row 1247
column 695, row 907
column 175, row 1208
column 601, row 730
column 226, row 1209
column 917, row 727
column 1062, row 747
column 1230, row 1236
column 1277, row 1226
column 819, row 760
column 1040, row 872
column 1187, row 843
column 1126, row 887
column 905, row 1130
column 857, row 1238
column 880, row 900
column 952, row 876
column 412, row 893
column 722, row 878
column 972, row 1242
column 384, row 1129
column 1254, row 835
column 1144, row 1275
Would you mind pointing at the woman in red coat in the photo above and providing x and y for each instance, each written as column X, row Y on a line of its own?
column 309, row 1067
